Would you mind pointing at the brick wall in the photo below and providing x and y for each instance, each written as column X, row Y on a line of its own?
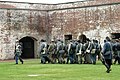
column 92, row 21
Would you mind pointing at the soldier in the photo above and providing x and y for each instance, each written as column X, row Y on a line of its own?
column 67, row 51
column 61, row 52
column 43, row 50
column 87, row 56
column 93, row 51
column 117, row 52
column 107, row 54
column 51, row 50
column 79, row 51
column 98, row 49
column 71, row 52
column 18, row 52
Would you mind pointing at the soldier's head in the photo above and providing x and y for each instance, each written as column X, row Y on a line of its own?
column 52, row 41
column 104, row 41
column 108, row 39
column 17, row 42
column 42, row 40
column 96, row 41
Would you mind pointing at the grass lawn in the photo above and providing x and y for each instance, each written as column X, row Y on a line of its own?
column 33, row 70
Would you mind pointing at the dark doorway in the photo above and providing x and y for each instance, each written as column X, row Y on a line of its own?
column 28, row 47
column 115, row 35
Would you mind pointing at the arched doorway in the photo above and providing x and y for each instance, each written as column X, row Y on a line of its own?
column 28, row 47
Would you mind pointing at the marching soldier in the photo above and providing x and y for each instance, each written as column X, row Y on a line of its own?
column 44, row 52
column 79, row 52
column 117, row 52
column 60, row 51
column 71, row 52
column 93, row 51
column 18, row 52
column 107, row 54
column 51, row 50
column 87, row 56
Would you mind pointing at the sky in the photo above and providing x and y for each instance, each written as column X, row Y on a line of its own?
column 44, row 1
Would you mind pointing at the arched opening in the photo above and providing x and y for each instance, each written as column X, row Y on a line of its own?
column 28, row 47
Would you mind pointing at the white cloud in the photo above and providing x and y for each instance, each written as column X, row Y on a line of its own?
column 44, row 1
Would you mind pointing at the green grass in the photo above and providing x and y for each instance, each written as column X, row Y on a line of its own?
column 10, row 71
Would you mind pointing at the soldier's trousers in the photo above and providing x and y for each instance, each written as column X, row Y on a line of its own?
column 79, row 59
column 72, row 58
column 93, row 57
column 45, row 58
column 117, row 59
column 17, row 57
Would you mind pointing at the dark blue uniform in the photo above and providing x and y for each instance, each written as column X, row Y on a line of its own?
column 107, row 53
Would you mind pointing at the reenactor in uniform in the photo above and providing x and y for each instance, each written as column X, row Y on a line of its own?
column 43, row 50
column 117, row 52
column 98, row 49
column 61, row 52
column 107, row 54
column 93, row 51
column 87, row 56
column 18, row 52
column 71, row 52
column 79, row 52
column 51, row 50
